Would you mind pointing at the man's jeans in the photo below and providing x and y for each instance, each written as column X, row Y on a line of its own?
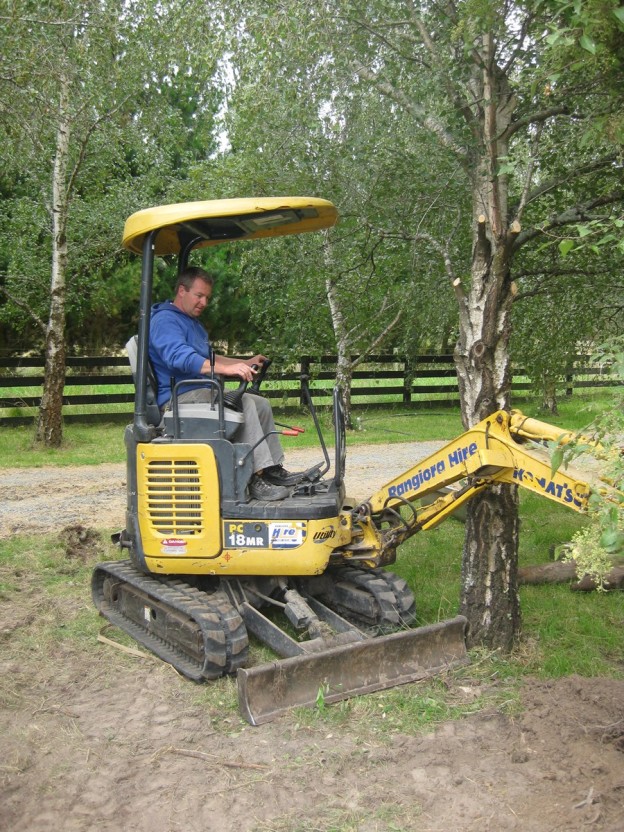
column 258, row 422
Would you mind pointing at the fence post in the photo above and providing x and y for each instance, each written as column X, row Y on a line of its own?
column 407, row 380
column 304, row 363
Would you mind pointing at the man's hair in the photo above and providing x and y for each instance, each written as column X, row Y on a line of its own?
column 187, row 277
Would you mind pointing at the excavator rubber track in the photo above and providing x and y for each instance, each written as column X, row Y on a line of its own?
column 375, row 600
column 202, row 635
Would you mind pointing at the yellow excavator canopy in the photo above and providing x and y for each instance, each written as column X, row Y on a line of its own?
column 223, row 220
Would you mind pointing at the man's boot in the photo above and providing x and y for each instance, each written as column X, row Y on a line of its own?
column 261, row 489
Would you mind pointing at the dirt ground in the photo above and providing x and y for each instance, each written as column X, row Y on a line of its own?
column 94, row 739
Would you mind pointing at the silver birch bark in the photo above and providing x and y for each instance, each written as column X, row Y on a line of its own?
column 49, row 424
column 489, row 594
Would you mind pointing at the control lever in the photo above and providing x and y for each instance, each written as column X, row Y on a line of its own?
column 255, row 387
column 234, row 398
column 296, row 430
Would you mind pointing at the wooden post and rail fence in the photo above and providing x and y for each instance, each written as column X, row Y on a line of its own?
column 101, row 388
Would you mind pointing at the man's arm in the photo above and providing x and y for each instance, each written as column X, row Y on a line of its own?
column 233, row 366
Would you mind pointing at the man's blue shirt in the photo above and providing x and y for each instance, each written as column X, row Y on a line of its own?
column 178, row 347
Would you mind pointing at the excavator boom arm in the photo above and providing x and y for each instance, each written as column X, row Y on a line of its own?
column 494, row 450
column 504, row 447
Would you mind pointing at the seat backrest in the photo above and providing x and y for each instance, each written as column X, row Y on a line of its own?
column 201, row 421
column 154, row 416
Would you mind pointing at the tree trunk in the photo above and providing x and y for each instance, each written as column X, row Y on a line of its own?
column 343, row 367
column 549, row 394
column 345, row 364
column 489, row 596
column 557, row 572
column 343, row 381
column 562, row 572
column 50, row 422
column 489, row 590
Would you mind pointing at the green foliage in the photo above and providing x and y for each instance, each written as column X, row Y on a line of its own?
column 555, row 322
column 586, row 46
column 594, row 548
column 343, row 147
column 591, row 549
column 139, row 110
column 595, row 235
column 229, row 317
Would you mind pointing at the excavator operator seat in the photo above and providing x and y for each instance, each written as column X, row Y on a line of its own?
column 154, row 416
column 201, row 421
column 195, row 420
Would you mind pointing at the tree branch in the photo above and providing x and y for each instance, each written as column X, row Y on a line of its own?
column 41, row 22
column 85, row 141
column 26, row 307
column 544, row 279
column 463, row 104
column 576, row 213
column 573, row 173
column 377, row 340
column 529, row 173
column 399, row 97
column 533, row 118
column 377, row 34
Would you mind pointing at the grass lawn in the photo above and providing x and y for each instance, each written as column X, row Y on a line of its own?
column 91, row 444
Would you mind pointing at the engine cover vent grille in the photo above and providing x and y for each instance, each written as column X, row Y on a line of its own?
column 173, row 491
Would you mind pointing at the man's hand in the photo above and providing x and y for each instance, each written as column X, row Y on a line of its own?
column 234, row 367
column 257, row 360
column 239, row 368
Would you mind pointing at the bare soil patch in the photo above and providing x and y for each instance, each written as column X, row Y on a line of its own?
column 93, row 739
column 101, row 743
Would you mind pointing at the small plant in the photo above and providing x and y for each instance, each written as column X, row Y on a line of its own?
column 594, row 548
column 321, row 704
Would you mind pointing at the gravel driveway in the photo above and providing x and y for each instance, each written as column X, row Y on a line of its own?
column 39, row 500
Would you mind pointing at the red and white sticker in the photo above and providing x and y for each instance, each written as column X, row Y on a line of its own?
column 173, row 546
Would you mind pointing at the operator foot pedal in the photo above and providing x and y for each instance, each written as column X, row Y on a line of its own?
column 313, row 474
column 307, row 484
column 305, row 489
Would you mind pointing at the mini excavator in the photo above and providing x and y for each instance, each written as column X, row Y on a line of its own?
column 207, row 566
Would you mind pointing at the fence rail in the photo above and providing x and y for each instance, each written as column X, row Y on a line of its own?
column 101, row 388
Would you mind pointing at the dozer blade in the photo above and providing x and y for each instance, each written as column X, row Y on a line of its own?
column 269, row 690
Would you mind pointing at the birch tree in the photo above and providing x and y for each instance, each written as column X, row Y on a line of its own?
column 79, row 80
column 294, row 129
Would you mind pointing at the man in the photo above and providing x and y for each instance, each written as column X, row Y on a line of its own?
column 179, row 349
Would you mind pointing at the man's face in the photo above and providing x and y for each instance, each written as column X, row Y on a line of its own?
column 193, row 301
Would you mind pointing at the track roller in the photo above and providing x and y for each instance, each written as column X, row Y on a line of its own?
column 374, row 599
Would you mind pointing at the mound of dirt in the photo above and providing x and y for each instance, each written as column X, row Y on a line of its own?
column 81, row 543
